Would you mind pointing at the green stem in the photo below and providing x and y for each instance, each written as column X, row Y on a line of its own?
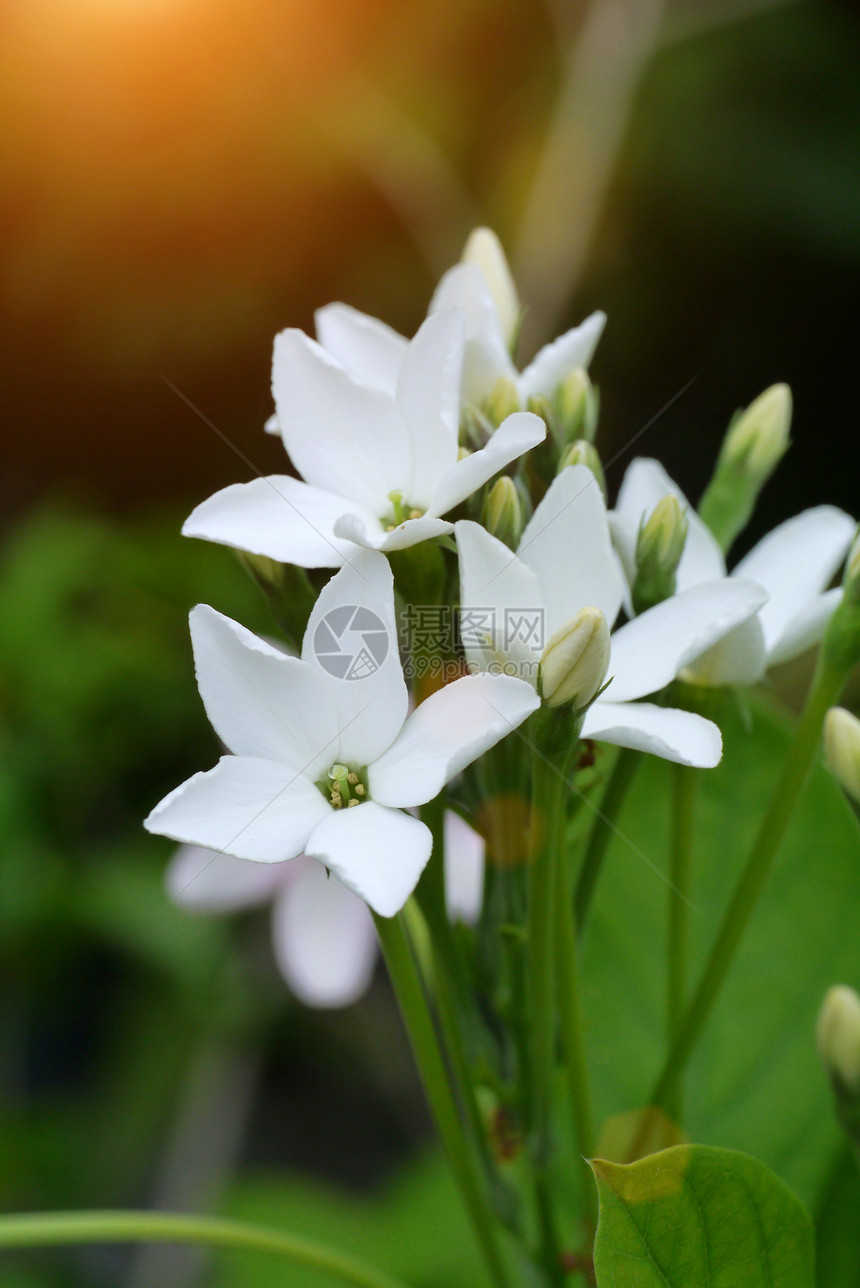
column 413, row 1005
column 572, row 1036
column 602, row 831
column 43, row 1228
column 546, row 838
column 826, row 688
column 445, row 991
column 685, row 782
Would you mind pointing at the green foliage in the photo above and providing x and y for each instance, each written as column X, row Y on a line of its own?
column 694, row 1215
column 416, row 1229
column 837, row 1255
column 755, row 1082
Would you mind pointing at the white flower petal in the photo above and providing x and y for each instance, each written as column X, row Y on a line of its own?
column 271, row 425
column 342, row 436
column 259, row 701
column 516, row 434
column 371, row 535
column 464, row 869
column 279, row 517
column 486, row 358
column 501, row 607
column 324, row 938
column 738, row 658
column 555, row 361
column 568, row 546
column 367, row 348
column 445, row 733
column 675, row 735
column 377, row 852
column 351, row 643
column 250, row 808
column 644, row 485
column 206, row 881
column 795, row 562
column 428, row 395
column 806, row 628
column 651, row 650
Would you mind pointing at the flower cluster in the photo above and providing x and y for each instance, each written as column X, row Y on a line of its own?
column 320, row 802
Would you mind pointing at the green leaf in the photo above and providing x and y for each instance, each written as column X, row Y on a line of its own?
column 694, row 1216
column 755, row 1082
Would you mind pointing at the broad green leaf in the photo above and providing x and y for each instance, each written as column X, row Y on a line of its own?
column 693, row 1216
column 755, row 1082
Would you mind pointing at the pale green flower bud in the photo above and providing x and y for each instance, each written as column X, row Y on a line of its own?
column 542, row 407
column 842, row 749
column 840, row 647
column 502, row 402
column 661, row 539
column 755, row 443
column 484, row 249
column 758, row 439
column 503, row 515
column 659, row 548
column 576, row 659
column 263, row 569
column 584, row 453
column 838, row 1036
column 577, row 405
column 475, row 428
column 851, row 579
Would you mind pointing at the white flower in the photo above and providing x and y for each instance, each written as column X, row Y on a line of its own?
column 794, row 563
column 323, row 935
column 482, row 288
column 513, row 604
column 381, row 466
column 323, row 765
column 484, row 291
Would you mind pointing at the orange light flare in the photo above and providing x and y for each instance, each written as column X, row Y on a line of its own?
column 153, row 148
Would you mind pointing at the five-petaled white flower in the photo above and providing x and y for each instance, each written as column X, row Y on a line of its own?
column 323, row 935
column 513, row 606
column 324, row 755
column 794, row 563
column 381, row 466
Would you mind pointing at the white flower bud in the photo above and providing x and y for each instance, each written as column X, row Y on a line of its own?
column 758, row 439
column 838, row 1036
column 484, row 249
column 576, row 659
column 842, row 749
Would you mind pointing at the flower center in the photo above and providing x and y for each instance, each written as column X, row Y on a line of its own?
column 400, row 512
column 344, row 787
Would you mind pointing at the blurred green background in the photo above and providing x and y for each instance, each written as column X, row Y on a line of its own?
column 179, row 179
